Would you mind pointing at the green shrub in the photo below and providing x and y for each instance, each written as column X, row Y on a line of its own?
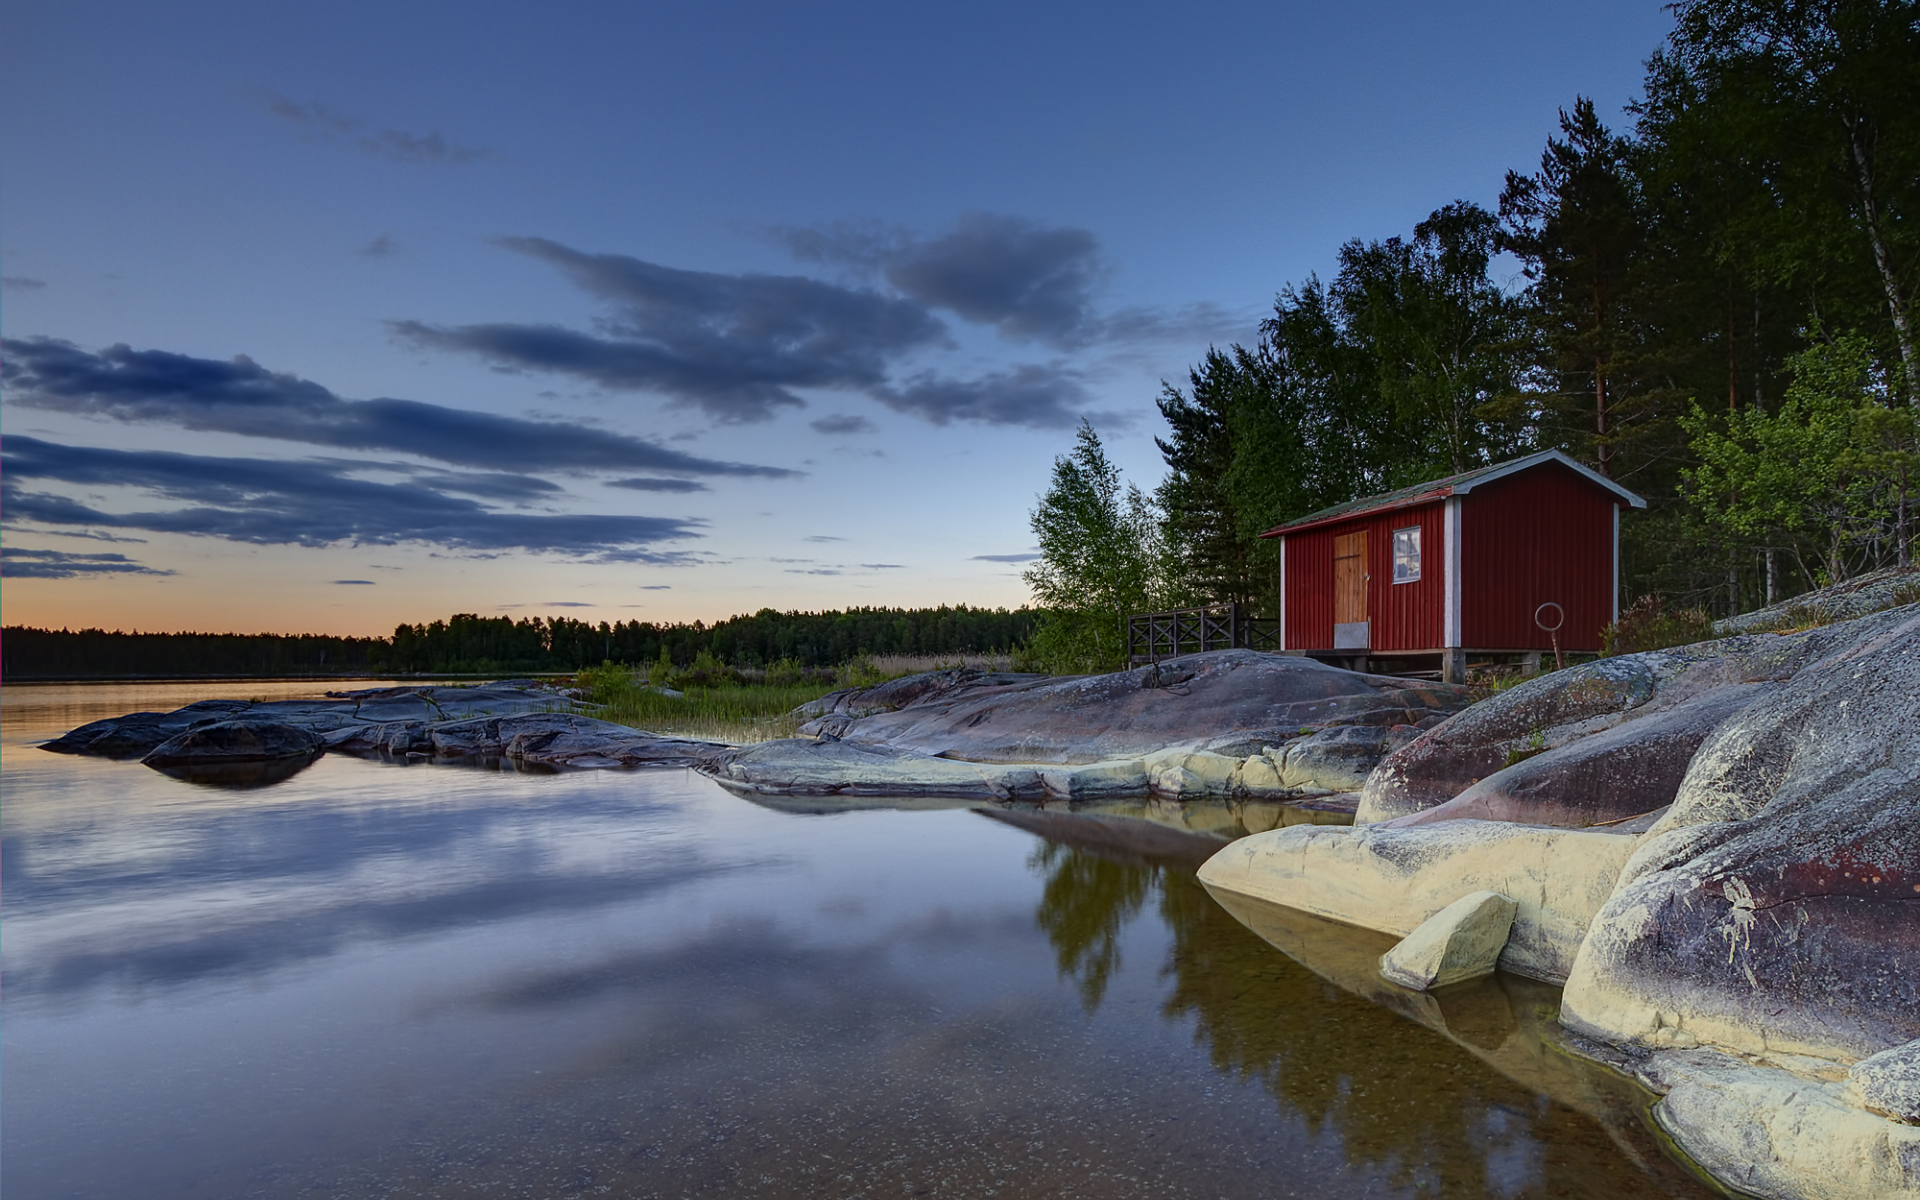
column 1649, row 625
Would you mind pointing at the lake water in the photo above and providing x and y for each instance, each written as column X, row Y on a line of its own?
column 382, row 980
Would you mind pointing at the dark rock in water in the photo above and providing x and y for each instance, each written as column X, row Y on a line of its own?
column 552, row 739
column 1776, row 907
column 1231, row 702
column 238, row 776
column 240, row 741
column 136, row 734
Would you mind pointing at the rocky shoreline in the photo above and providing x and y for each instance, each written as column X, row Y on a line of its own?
column 1713, row 849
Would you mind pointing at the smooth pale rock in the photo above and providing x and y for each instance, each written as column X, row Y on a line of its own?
column 1392, row 880
column 230, row 742
column 1339, row 759
column 1461, row 941
column 1180, row 772
column 1258, row 777
column 1233, row 701
column 1775, row 909
column 1096, row 781
column 797, row 767
column 1776, row 1134
column 1888, row 1083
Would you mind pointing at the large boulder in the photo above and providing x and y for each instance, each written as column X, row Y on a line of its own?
column 1231, row 702
column 1621, row 772
column 241, row 741
column 1658, row 707
column 1776, row 908
column 831, row 767
column 1770, row 1132
column 1393, row 880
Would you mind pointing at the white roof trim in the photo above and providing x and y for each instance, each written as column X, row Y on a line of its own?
column 1534, row 460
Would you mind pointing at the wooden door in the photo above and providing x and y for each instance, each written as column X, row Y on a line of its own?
column 1350, row 629
column 1350, row 578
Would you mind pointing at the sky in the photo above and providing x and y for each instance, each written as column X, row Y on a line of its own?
column 326, row 317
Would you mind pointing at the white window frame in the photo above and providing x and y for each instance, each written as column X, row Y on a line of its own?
column 1415, row 577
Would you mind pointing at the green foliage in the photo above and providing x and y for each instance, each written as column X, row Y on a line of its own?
column 1400, row 370
column 1828, row 474
column 1101, row 558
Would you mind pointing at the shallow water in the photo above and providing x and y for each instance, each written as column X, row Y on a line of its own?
column 383, row 980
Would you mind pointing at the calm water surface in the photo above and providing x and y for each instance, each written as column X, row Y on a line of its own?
column 381, row 980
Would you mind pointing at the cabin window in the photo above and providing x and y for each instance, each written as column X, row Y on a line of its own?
column 1406, row 555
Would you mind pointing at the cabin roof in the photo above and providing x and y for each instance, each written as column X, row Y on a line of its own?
column 1452, row 485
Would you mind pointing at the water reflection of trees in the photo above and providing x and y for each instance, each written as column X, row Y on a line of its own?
column 1400, row 1096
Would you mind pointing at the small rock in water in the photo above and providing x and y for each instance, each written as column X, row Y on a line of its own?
column 235, row 742
column 1461, row 941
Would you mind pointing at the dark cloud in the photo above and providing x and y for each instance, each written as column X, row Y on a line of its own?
column 651, row 484
column 842, row 423
column 354, row 582
column 1026, row 280
column 331, row 124
column 567, row 604
column 735, row 346
column 1004, row 558
column 380, row 247
column 17, row 562
column 1030, row 282
column 656, row 587
column 240, row 396
column 21, row 283
column 286, row 502
column 1040, row 397
column 884, row 566
column 823, row 537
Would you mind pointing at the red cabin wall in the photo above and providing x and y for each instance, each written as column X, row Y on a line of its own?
column 1309, row 585
column 1544, row 534
column 1405, row 616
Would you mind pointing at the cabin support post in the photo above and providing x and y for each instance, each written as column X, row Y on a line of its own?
column 1453, row 665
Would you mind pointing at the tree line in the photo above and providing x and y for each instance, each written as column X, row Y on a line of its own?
column 1713, row 306
column 468, row 643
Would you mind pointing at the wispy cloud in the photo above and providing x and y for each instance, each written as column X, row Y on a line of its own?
column 651, row 484
column 353, row 582
column 240, row 396
column 305, row 503
column 381, row 247
column 742, row 347
column 327, row 123
column 19, row 562
column 21, row 283
column 843, row 423
column 734, row 346
column 1004, row 558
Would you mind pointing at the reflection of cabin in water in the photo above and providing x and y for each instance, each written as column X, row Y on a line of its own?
column 1467, row 566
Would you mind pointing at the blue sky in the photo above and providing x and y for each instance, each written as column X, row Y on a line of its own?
column 325, row 317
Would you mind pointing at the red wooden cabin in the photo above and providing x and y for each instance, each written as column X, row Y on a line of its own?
column 1457, row 567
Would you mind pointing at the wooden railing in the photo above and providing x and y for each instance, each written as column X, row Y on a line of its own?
column 1154, row 636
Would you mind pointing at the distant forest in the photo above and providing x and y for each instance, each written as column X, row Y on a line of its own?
column 469, row 644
